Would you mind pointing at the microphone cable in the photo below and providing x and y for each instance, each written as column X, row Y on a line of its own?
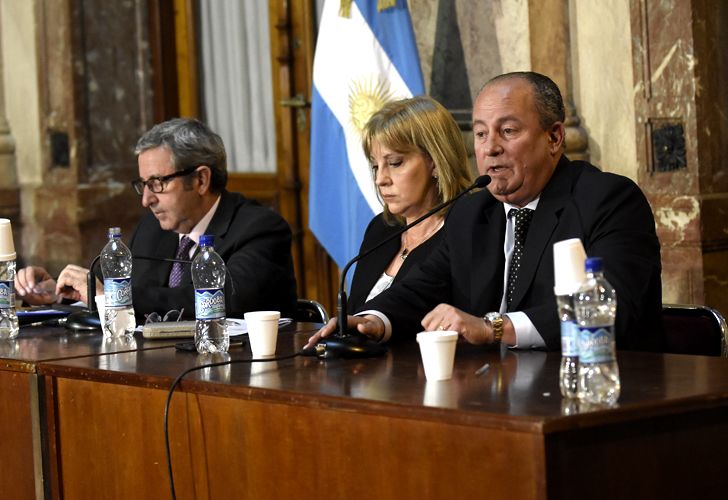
column 179, row 378
column 228, row 274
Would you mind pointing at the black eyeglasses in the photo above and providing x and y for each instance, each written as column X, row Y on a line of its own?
column 173, row 315
column 157, row 184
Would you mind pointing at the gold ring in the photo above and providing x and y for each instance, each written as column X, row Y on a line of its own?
column 440, row 327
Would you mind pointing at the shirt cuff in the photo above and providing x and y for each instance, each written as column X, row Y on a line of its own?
column 527, row 337
column 385, row 320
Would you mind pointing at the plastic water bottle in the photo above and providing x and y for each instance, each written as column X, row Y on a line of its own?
column 596, row 309
column 568, row 372
column 8, row 317
column 569, row 277
column 208, row 277
column 116, row 267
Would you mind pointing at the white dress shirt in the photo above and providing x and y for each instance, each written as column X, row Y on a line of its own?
column 201, row 227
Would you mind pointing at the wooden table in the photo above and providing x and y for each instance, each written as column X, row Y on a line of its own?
column 374, row 428
column 21, row 417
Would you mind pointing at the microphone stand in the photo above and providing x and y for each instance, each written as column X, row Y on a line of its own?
column 87, row 320
column 344, row 344
column 161, row 259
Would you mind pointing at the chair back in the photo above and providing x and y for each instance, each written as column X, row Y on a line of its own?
column 694, row 329
column 311, row 311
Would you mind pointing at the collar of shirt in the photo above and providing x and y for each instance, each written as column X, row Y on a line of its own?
column 507, row 206
column 201, row 227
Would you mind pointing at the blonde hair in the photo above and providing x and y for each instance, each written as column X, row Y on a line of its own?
column 422, row 125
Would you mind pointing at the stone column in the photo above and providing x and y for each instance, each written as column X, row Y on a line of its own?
column 8, row 175
column 551, row 55
column 682, row 138
column 9, row 197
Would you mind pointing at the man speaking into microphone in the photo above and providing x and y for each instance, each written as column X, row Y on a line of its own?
column 491, row 279
column 182, row 179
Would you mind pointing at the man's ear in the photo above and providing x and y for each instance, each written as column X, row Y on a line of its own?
column 557, row 135
column 204, row 176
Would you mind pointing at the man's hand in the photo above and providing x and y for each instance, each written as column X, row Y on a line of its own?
column 72, row 284
column 35, row 286
column 446, row 317
column 368, row 325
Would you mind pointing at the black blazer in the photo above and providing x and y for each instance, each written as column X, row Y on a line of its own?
column 255, row 244
column 606, row 211
column 370, row 268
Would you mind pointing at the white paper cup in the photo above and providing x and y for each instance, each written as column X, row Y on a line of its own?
column 438, row 353
column 569, row 258
column 262, row 332
column 7, row 246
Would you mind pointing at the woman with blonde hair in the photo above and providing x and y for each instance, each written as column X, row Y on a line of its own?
column 418, row 160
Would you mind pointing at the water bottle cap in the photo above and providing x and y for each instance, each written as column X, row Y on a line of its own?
column 206, row 240
column 594, row 264
column 114, row 232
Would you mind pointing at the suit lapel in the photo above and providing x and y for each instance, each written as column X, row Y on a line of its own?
column 374, row 265
column 220, row 222
column 219, row 225
column 553, row 199
column 165, row 247
column 486, row 280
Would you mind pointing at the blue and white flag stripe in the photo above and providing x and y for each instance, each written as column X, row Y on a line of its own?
column 361, row 62
column 393, row 30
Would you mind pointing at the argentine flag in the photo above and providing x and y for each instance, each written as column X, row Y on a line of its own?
column 364, row 58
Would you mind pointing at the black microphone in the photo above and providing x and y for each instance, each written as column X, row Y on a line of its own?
column 89, row 319
column 161, row 259
column 187, row 261
column 356, row 345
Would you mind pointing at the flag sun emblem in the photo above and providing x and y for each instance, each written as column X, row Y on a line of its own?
column 365, row 98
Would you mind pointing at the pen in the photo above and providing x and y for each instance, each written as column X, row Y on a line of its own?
column 48, row 322
column 480, row 371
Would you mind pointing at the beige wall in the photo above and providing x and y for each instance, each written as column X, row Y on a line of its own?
column 495, row 37
column 603, row 82
column 21, row 86
column 494, row 34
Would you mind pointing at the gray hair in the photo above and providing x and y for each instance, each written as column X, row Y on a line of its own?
column 549, row 103
column 191, row 143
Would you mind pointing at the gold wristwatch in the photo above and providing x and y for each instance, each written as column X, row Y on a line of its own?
column 495, row 321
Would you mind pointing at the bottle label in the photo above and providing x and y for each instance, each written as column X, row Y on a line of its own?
column 117, row 292
column 7, row 294
column 209, row 303
column 596, row 344
column 569, row 338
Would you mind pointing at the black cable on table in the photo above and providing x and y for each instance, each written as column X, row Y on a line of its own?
column 179, row 379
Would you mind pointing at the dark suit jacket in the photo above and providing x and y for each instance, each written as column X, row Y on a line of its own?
column 371, row 267
column 607, row 212
column 255, row 244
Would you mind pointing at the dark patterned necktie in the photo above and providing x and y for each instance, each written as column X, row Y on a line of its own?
column 183, row 252
column 522, row 218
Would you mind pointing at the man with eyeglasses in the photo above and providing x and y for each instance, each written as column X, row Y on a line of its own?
column 182, row 179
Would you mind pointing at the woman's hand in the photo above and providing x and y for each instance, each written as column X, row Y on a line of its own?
column 368, row 325
column 35, row 286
